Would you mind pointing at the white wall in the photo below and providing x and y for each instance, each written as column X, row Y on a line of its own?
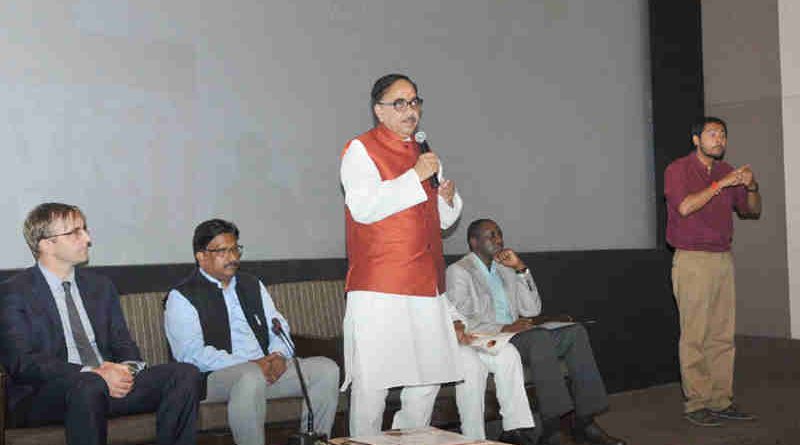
column 741, row 68
column 155, row 115
column 789, row 17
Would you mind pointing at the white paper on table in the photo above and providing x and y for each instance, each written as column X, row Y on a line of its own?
column 413, row 436
column 491, row 343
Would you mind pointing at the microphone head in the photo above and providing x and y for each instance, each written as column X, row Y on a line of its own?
column 420, row 137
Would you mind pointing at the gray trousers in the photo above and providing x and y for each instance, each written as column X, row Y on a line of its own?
column 541, row 350
column 247, row 391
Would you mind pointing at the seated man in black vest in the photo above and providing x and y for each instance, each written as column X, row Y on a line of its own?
column 223, row 322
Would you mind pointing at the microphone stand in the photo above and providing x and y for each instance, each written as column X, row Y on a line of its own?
column 310, row 437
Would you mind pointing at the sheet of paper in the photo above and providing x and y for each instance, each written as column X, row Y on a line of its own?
column 415, row 436
column 551, row 325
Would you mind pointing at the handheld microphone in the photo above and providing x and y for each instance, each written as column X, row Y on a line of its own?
column 310, row 437
column 421, row 137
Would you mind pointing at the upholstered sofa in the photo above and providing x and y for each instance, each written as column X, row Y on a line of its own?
column 314, row 309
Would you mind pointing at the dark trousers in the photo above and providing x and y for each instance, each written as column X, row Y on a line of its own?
column 82, row 402
column 541, row 350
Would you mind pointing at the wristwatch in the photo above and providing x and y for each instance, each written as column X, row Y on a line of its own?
column 135, row 367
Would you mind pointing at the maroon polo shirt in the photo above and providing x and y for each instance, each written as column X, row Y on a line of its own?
column 709, row 229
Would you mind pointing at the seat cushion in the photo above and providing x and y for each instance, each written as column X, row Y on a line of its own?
column 133, row 429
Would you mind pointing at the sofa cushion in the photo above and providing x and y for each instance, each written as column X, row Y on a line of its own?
column 312, row 308
column 144, row 313
column 133, row 429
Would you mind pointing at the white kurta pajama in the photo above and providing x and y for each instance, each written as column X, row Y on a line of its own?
column 394, row 340
column 509, row 379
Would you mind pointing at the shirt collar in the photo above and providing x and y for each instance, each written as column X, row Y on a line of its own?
column 479, row 262
column 699, row 164
column 55, row 281
column 216, row 281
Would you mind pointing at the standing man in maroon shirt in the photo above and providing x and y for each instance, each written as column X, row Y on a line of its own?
column 702, row 191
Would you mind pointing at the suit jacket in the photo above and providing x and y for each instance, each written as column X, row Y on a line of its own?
column 32, row 346
column 469, row 292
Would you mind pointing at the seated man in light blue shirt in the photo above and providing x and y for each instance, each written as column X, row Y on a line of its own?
column 224, row 322
column 492, row 288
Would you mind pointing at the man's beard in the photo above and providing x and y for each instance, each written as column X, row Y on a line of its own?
column 714, row 156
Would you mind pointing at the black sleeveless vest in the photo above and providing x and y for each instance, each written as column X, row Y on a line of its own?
column 207, row 299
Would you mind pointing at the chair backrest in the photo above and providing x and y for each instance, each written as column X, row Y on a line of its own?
column 313, row 309
column 144, row 313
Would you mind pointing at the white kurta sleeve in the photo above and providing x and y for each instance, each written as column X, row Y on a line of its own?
column 452, row 311
column 448, row 215
column 369, row 198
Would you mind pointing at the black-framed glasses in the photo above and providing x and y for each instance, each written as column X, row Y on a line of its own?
column 401, row 104
column 74, row 232
column 222, row 251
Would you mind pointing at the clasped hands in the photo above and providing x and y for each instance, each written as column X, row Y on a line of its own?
column 272, row 366
column 118, row 378
column 741, row 176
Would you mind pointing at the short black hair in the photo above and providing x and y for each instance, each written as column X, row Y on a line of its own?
column 380, row 87
column 700, row 124
column 473, row 231
column 208, row 230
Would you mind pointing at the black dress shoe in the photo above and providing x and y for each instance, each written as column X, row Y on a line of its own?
column 594, row 435
column 519, row 436
column 558, row 438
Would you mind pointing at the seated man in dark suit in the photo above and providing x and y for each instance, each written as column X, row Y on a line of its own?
column 495, row 292
column 67, row 350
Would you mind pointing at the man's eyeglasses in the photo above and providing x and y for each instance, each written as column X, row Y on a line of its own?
column 74, row 232
column 222, row 251
column 402, row 104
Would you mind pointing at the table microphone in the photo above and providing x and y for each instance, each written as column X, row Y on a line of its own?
column 420, row 137
column 310, row 437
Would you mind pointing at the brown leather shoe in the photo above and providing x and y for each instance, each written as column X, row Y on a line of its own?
column 594, row 435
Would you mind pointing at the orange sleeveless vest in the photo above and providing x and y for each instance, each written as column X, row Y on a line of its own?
column 402, row 253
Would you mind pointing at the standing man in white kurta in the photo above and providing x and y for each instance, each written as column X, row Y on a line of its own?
column 398, row 329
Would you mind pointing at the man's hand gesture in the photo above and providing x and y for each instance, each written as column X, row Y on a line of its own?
column 509, row 258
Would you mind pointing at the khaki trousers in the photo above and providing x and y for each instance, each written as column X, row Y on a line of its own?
column 703, row 284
